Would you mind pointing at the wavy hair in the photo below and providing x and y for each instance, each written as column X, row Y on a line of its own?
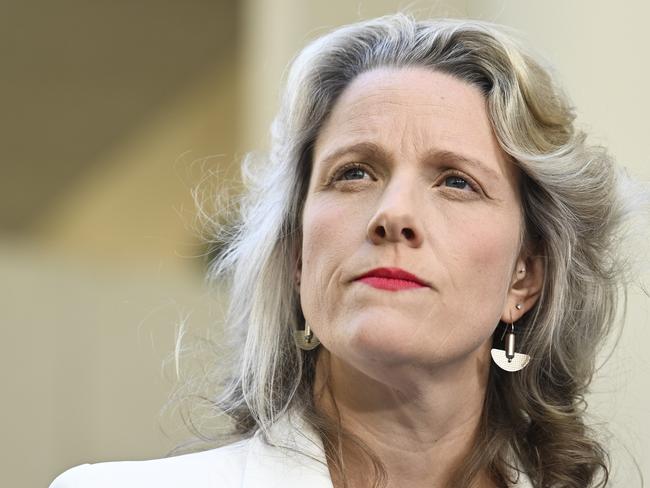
column 575, row 203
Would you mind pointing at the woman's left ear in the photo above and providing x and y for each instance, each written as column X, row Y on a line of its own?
column 298, row 274
column 525, row 287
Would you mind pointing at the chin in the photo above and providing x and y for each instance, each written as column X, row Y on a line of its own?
column 380, row 345
column 377, row 342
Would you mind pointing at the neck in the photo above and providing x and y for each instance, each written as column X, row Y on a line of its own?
column 421, row 425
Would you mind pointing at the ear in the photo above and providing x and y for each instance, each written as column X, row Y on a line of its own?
column 298, row 272
column 525, row 287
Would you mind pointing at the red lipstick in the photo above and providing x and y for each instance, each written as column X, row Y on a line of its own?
column 392, row 279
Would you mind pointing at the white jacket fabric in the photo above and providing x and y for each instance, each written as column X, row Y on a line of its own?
column 297, row 461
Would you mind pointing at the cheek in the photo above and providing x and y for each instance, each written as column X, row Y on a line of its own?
column 486, row 248
column 331, row 234
column 328, row 230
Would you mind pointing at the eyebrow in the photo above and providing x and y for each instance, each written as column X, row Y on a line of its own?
column 442, row 155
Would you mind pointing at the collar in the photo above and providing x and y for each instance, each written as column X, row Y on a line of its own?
column 294, row 457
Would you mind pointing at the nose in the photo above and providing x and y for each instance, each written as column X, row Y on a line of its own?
column 395, row 220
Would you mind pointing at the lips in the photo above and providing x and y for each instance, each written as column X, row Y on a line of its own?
column 392, row 278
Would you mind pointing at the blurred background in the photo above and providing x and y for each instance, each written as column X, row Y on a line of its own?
column 116, row 115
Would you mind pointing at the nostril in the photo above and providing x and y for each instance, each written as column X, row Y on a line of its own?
column 408, row 233
column 381, row 231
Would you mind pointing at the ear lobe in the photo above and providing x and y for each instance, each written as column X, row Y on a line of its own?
column 298, row 274
column 525, row 289
column 296, row 254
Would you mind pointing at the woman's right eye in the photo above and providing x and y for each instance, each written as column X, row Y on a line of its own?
column 351, row 172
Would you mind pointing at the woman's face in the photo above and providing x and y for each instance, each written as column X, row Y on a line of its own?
column 407, row 174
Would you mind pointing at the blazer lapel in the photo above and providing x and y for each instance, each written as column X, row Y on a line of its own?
column 293, row 458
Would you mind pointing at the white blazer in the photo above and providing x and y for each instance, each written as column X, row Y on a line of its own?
column 250, row 463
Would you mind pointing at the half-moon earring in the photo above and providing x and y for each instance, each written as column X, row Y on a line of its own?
column 305, row 339
column 508, row 359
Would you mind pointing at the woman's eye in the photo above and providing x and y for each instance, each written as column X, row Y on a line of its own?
column 459, row 182
column 351, row 173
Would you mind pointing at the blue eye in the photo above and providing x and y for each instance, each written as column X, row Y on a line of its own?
column 456, row 182
column 351, row 172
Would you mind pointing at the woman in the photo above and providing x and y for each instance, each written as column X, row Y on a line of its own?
column 421, row 275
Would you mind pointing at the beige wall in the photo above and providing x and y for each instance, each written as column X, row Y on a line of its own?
column 92, row 298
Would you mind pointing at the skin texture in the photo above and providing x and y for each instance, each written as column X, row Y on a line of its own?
column 408, row 369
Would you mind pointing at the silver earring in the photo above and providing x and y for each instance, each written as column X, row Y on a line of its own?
column 508, row 359
column 305, row 339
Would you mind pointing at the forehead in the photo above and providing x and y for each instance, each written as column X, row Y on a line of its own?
column 418, row 88
column 412, row 108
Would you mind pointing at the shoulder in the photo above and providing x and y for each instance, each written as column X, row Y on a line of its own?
column 289, row 455
column 223, row 467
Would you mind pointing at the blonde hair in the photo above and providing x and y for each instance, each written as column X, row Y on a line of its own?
column 575, row 202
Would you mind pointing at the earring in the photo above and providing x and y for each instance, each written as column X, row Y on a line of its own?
column 508, row 359
column 305, row 339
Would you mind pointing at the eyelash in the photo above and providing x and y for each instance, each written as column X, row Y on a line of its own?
column 345, row 168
